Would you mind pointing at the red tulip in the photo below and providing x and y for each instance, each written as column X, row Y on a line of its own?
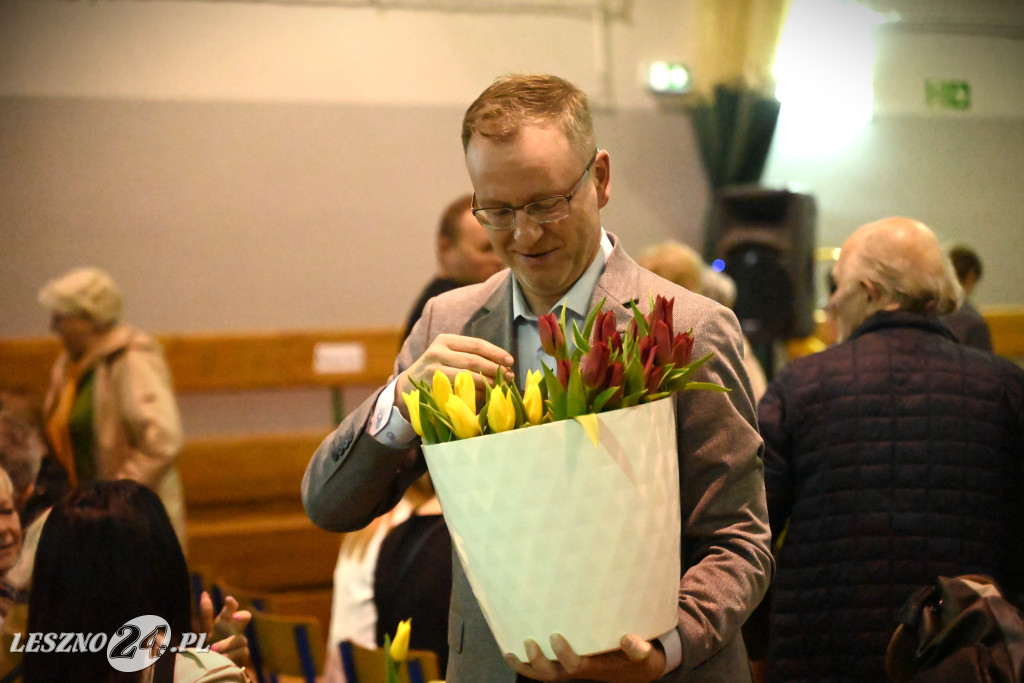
column 604, row 326
column 551, row 338
column 615, row 342
column 682, row 348
column 564, row 370
column 645, row 345
column 652, row 378
column 662, row 342
column 594, row 365
column 662, row 311
column 614, row 378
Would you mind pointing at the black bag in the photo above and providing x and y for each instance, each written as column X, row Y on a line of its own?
column 959, row 630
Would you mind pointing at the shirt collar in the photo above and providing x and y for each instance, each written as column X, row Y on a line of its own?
column 579, row 295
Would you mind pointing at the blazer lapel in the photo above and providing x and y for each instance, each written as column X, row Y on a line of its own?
column 618, row 285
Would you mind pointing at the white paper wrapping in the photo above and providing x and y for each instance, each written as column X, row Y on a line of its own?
column 559, row 536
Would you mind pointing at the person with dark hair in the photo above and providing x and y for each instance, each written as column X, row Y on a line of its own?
column 892, row 458
column 966, row 322
column 540, row 183
column 108, row 554
column 465, row 255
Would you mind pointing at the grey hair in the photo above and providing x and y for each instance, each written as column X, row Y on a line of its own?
column 914, row 284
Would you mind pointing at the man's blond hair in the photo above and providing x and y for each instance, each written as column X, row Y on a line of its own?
column 516, row 100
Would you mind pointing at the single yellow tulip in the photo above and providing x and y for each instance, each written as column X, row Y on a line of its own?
column 464, row 420
column 501, row 414
column 442, row 389
column 466, row 389
column 412, row 402
column 533, row 404
column 400, row 645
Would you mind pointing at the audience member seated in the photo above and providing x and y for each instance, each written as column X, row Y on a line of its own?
column 24, row 432
column 464, row 255
column 110, row 409
column 353, row 608
column 10, row 544
column 107, row 555
column 966, row 322
column 680, row 264
column 21, row 452
column 890, row 458
column 413, row 579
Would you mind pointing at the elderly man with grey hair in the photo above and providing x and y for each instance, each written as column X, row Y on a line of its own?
column 110, row 409
column 894, row 457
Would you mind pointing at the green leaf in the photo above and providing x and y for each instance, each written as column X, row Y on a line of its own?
column 588, row 324
column 641, row 324
column 556, row 395
column 517, row 403
column 601, row 399
column 705, row 385
column 565, row 332
column 576, row 396
column 390, row 671
column 440, row 422
column 687, row 371
column 582, row 346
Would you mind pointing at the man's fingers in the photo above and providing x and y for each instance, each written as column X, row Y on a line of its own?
column 635, row 647
column 565, row 654
column 476, row 347
column 547, row 669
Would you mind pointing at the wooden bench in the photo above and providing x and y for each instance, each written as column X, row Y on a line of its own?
column 1006, row 323
column 245, row 521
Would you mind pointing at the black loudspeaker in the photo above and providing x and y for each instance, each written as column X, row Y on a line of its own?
column 765, row 237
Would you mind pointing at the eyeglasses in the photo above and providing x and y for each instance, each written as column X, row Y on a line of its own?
column 547, row 210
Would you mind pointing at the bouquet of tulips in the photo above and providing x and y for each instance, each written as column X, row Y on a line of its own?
column 606, row 370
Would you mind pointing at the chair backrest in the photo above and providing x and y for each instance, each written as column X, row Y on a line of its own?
column 289, row 645
column 367, row 666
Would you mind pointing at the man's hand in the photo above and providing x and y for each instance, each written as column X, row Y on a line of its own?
column 451, row 353
column 226, row 633
column 637, row 662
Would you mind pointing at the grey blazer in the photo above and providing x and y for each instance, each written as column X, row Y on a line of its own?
column 727, row 564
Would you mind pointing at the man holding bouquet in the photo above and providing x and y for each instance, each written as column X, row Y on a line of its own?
column 540, row 182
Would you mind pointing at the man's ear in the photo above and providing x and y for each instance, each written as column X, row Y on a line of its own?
column 873, row 290
column 877, row 300
column 602, row 172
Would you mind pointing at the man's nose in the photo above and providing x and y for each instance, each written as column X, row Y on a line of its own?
column 527, row 231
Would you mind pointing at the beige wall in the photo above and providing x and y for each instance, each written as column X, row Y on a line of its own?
column 254, row 166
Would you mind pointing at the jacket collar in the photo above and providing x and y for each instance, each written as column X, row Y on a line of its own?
column 617, row 285
column 896, row 319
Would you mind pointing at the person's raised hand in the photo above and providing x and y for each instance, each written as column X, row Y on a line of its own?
column 637, row 662
column 452, row 353
column 227, row 631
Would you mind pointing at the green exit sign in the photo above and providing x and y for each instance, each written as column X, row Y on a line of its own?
column 942, row 93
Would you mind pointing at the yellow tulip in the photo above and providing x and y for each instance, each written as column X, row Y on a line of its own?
column 464, row 421
column 400, row 645
column 501, row 414
column 466, row 389
column 412, row 402
column 533, row 404
column 442, row 388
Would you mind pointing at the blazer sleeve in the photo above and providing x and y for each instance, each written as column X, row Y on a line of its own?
column 726, row 557
column 352, row 478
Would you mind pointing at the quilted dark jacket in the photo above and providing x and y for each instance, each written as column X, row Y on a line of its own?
column 895, row 457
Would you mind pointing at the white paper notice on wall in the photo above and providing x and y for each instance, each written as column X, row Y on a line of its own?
column 331, row 358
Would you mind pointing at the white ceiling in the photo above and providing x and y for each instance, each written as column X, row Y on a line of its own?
column 1002, row 18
